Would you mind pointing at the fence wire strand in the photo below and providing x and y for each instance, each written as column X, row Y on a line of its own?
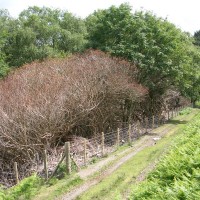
column 86, row 150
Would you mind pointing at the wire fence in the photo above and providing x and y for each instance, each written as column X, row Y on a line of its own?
column 105, row 143
column 83, row 151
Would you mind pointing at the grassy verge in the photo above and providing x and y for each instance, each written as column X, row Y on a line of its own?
column 116, row 185
column 53, row 191
column 34, row 187
column 178, row 175
column 25, row 190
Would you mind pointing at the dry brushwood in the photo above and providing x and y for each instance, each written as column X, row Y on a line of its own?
column 41, row 104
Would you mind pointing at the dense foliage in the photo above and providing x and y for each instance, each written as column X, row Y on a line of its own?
column 189, row 78
column 177, row 175
column 39, row 33
column 161, row 51
column 4, row 16
column 197, row 38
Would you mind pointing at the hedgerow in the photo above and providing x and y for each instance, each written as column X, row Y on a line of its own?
column 42, row 104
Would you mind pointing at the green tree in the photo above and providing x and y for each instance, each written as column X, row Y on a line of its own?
column 197, row 38
column 4, row 24
column 43, row 32
column 155, row 45
column 4, row 69
column 189, row 83
column 55, row 28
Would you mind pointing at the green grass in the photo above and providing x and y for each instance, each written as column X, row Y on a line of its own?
column 178, row 174
column 118, row 153
column 197, row 104
column 26, row 189
column 185, row 111
column 58, row 188
column 34, row 187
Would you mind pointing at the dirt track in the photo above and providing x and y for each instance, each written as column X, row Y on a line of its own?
column 148, row 141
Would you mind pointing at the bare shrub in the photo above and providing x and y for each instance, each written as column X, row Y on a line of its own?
column 41, row 104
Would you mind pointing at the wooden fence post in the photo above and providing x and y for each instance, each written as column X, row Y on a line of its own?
column 129, row 134
column 160, row 120
column 146, row 124
column 168, row 117
column 37, row 160
column 67, row 156
column 138, row 127
column 102, row 143
column 45, row 164
column 118, row 137
column 85, row 152
column 16, row 172
column 153, row 122
column 55, row 170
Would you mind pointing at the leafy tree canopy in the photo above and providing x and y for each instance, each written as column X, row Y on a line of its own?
column 197, row 38
column 4, row 26
column 154, row 44
column 43, row 32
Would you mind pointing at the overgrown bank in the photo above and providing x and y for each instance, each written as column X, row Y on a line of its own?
column 177, row 175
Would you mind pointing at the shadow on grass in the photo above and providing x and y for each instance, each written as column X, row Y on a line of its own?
column 175, row 121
